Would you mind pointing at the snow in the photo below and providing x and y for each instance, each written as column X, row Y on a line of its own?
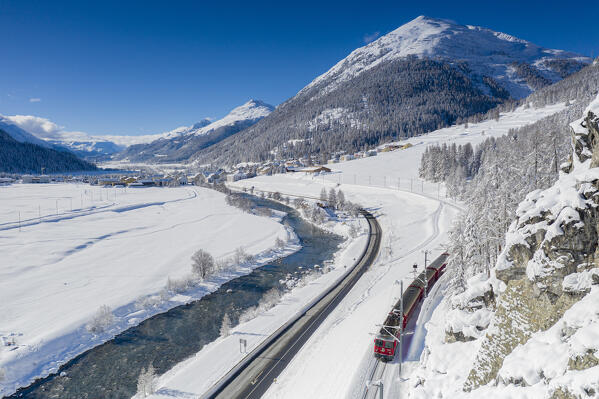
column 486, row 52
column 80, row 247
column 414, row 216
column 42, row 131
column 250, row 111
column 197, row 374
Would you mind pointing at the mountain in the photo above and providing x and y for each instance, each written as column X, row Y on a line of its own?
column 424, row 75
column 25, row 157
column 182, row 143
column 18, row 134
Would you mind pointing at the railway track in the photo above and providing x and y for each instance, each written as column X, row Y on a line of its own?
column 252, row 377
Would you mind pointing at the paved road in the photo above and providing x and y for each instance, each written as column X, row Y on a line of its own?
column 253, row 380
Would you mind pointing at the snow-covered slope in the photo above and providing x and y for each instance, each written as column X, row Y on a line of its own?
column 182, row 143
column 426, row 74
column 487, row 53
column 18, row 133
column 252, row 111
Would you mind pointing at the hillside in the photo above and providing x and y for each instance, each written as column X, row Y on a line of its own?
column 25, row 157
column 424, row 75
column 184, row 142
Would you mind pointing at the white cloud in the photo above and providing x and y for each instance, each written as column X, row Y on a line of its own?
column 370, row 37
column 35, row 100
column 40, row 127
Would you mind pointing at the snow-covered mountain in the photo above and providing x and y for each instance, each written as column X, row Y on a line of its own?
column 486, row 52
column 182, row 143
column 424, row 75
column 20, row 134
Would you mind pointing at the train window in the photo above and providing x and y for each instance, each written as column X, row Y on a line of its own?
column 378, row 342
column 388, row 344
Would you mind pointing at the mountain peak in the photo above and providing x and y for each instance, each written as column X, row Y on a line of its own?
column 487, row 53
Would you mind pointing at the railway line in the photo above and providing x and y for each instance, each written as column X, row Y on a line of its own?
column 252, row 377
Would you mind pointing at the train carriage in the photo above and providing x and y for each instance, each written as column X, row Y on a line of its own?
column 385, row 343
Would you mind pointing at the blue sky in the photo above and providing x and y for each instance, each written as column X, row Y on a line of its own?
column 146, row 67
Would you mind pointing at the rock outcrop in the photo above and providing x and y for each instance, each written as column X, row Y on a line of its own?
column 549, row 262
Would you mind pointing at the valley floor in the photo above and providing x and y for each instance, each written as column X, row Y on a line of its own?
column 69, row 249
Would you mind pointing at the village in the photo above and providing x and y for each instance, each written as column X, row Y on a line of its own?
column 205, row 176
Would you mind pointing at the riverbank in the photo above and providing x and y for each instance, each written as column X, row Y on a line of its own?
column 119, row 253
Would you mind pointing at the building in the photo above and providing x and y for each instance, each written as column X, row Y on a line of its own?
column 35, row 179
column 316, row 169
column 347, row 157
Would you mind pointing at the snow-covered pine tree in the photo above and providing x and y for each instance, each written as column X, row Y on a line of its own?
column 332, row 198
column 323, row 194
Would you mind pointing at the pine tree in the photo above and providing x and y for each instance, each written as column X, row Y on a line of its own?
column 323, row 194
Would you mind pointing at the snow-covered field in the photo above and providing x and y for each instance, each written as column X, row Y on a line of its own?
column 73, row 254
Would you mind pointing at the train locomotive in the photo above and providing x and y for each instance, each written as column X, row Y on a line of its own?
column 385, row 342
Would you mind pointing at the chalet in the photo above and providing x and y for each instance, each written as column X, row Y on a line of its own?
column 391, row 147
column 233, row 177
column 347, row 157
column 316, row 169
column 35, row 179
column 109, row 182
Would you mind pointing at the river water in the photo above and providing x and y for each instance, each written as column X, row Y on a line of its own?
column 111, row 369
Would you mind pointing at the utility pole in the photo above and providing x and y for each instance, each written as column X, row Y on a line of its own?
column 19, row 220
column 411, row 183
column 39, row 213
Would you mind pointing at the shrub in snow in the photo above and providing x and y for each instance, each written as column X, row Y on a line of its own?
column 279, row 243
column 146, row 385
column 178, row 286
column 101, row 320
column 223, row 264
column 241, row 256
column 340, row 199
column 266, row 212
column 225, row 328
column 202, row 264
column 268, row 301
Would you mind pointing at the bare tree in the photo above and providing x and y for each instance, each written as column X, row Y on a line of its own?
column 225, row 328
column 101, row 320
column 146, row 385
column 202, row 264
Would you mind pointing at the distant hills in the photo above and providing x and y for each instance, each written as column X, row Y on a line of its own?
column 182, row 144
column 21, row 156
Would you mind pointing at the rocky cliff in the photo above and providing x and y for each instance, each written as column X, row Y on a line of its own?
column 531, row 327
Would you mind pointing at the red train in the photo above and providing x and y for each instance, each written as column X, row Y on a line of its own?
column 386, row 341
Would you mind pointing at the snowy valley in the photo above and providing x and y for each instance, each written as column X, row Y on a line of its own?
column 262, row 255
